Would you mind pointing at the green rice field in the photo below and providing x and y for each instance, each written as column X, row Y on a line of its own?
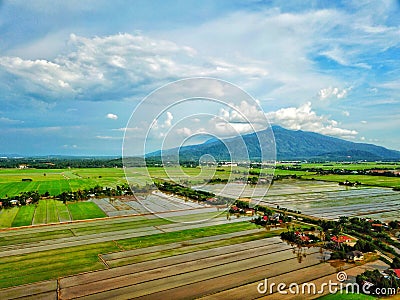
column 48, row 211
column 101, row 258
column 369, row 180
column 33, row 267
column 56, row 181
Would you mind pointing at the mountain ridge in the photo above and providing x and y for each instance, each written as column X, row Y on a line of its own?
column 290, row 145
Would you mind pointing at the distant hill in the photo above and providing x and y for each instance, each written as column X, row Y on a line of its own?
column 290, row 145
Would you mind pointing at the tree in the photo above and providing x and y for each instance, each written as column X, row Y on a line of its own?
column 394, row 224
column 364, row 246
column 396, row 263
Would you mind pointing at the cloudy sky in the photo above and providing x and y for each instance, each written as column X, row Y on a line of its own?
column 72, row 72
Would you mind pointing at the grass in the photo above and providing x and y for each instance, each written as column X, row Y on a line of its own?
column 7, row 217
column 192, row 248
column 56, row 181
column 48, row 211
column 352, row 166
column 38, row 266
column 62, row 211
column 111, row 226
column 52, row 215
column 33, row 267
column 380, row 181
column 24, row 216
column 85, row 210
column 40, row 216
column 177, row 236
column 349, row 296
column 22, row 238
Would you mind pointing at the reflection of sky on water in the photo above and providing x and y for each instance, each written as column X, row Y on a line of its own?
column 329, row 200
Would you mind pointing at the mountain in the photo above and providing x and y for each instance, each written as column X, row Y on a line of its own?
column 290, row 145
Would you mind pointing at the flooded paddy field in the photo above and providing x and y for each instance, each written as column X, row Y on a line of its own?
column 153, row 203
column 321, row 199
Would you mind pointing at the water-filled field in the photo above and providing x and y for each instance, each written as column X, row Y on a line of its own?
column 323, row 199
column 153, row 203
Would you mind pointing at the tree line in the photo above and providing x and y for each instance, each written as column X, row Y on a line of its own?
column 33, row 197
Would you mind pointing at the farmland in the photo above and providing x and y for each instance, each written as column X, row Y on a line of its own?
column 48, row 211
column 75, row 247
column 154, row 203
column 322, row 199
column 134, row 257
column 314, row 196
column 369, row 180
column 56, row 181
column 157, row 245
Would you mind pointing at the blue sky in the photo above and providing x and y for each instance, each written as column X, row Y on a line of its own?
column 72, row 72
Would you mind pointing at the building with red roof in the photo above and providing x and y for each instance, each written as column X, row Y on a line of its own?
column 341, row 239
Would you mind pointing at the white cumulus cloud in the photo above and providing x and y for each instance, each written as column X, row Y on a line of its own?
column 304, row 118
column 333, row 92
column 346, row 113
column 112, row 116
column 184, row 131
column 113, row 67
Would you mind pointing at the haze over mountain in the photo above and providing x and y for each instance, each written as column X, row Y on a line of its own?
column 290, row 145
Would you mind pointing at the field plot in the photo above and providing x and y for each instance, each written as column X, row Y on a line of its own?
column 379, row 203
column 381, row 181
column 134, row 257
column 48, row 211
column 7, row 217
column 42, row 253
column 225, row 272
column 324, row 199
column 52, row 215
column 24, row 216
column 85, row 210
column 56, row 181
column 62, row 211
column 196, row 175
column 40, row 216
column 154, row 203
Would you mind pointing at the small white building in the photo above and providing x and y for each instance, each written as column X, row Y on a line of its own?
column 354, row 256
column 14, row 202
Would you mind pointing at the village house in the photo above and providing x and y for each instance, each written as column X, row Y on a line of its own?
column 341, row 239
column 14, row 202
column 249, row 211
column 354, row 256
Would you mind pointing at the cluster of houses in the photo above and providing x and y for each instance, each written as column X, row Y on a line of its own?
column 303, row 237
column 15, row 202
column 354, row 256
column 384, row 172
column 351, row 256
column 247, row 211
column 342, row 239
